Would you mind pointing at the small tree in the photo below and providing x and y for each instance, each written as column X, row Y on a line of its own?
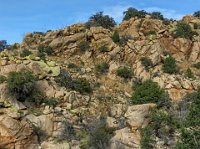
column 99, row 19
column 115, row 37
column 184, row 30
column 83, row 46
column 25, row 52
column 102, row 68
column 197, row 14
column 3, row 45
column 21, row 84
column 147, row 63
column 149, row 92
column 170, row 65
column 189, row 73
column 132, row 12
column 124, row 72
column 157, row 15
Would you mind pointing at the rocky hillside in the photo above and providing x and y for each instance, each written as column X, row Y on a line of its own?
column 85, row 88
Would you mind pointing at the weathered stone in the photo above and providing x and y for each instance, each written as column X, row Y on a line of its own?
column 16, row 134
column 126, row 139
column 136, row 115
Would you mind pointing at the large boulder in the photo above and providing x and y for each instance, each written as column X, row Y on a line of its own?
column 16, row 134
column 125, row 139
column 136, row 115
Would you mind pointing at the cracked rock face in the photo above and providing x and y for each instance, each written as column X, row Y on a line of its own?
column 15, row 134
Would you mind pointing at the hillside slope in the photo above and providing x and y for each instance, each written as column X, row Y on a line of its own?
column 87, row 80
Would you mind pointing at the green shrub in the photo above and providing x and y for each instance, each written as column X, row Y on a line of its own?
column 146, row 62
column 196, row 25
column 124, row 72
column 190, row 138
column 42, row 55
column 102, row 68
column 50, row 101
column 83, row 46
column 197, row 65
column 103, row 49
column 36, row 97
column 72, row 65
column 124, row 39
column 194, row 111
column 82, row 85
column 100, row 137
column 162, row 125
column 68, row 132
column 115, row 37
column 166, row 21
column 25, row 52
column 170, row 66
column 47, row 50
column 189, row 73
column 132, row 12
column 64, row 79
column 157, row 15
column 184, row 30
column 21, row 84
column 99, row 19
column 3, row 45
column 2, row 79
column 149, row 92
column 197, row 14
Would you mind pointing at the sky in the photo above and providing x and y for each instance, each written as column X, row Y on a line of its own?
column 17, row 17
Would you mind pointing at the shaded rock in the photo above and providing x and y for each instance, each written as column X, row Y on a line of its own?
column 126, row 139
column 16, row 134
column 136, row 115
column 53, row 145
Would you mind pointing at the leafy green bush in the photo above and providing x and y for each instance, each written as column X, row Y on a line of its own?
column 146, row 62
column 197, row 65
column 194, row 111
column 3, row 45
column 25, row 52
column 189, row 139
column 196, row 25
column 124, row 39
column 115, row 37
column 190, row 122
column 124, row 72
column 47, row 50
column 50, row 101
column 197, row 14
column 189, row 73
column 36, row 97
column 149, row 92
column 72, row 65
column 162, row 125
column 99, row 19
column 81, row 85
column 83, row 46
column 100, row 137
column 103, row 49
column 170, row 66
column 184, row 30
column 157, row 15
column 132, row 12
column 2, row 79
column 102, row 67
column 21, row 84
column 64, row 79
